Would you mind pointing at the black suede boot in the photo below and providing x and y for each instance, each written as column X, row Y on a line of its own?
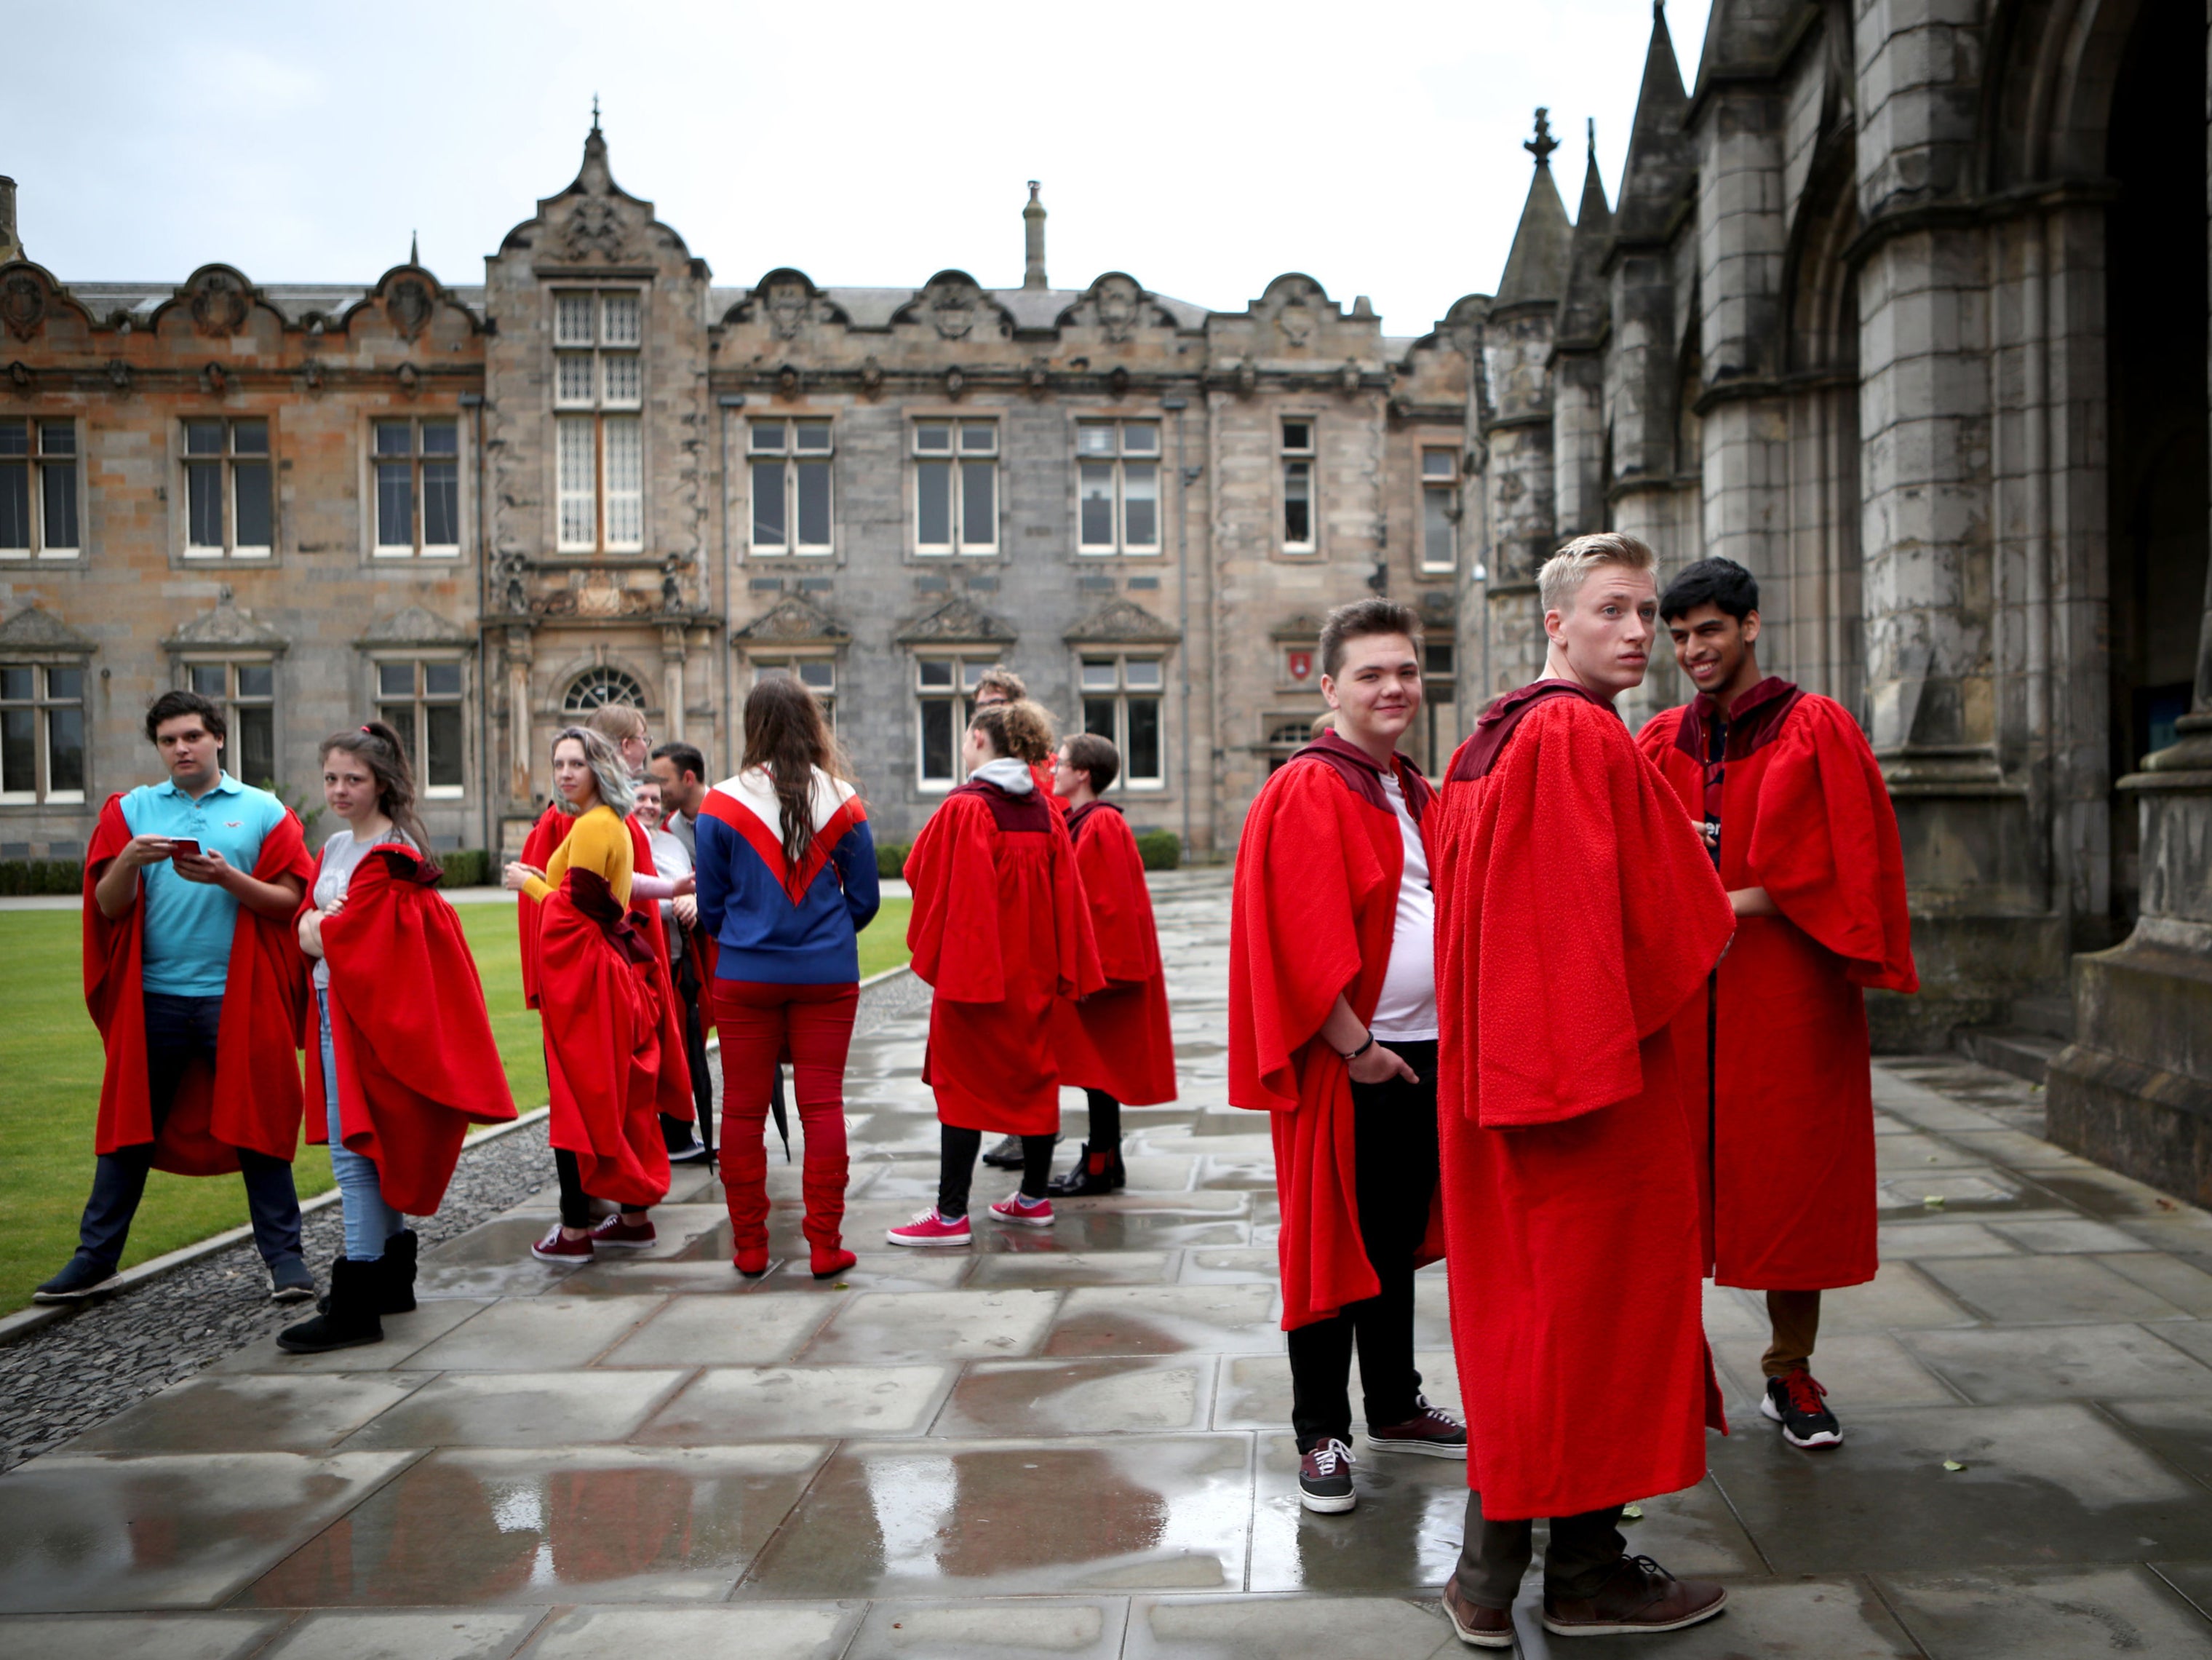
column 1097, row 1170
column 398, row 1281
column 351, row 1320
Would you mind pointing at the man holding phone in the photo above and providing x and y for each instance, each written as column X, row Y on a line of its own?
column 189, row 888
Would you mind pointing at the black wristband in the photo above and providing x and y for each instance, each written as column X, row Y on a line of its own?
column 1361, row 1049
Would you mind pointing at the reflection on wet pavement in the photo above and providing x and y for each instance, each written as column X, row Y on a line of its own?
column 1075, row 1443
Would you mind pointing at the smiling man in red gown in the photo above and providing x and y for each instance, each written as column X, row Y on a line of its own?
column 1332, row 1034
column 1774, row 1052
column 1576, row 913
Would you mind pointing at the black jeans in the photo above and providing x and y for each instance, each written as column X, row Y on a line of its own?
column 1105, row 1120
column 180, row 1030
column 575, row 1203
column 958, row 1150
column 1494, row 1555
column 1393, row 1127
column 675, row 1132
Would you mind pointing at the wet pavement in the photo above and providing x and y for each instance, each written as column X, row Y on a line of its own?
column 1075, row 1443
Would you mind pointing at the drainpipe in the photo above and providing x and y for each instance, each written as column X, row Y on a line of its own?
column 728, row 401
column 474, row 401
column 1176, row 403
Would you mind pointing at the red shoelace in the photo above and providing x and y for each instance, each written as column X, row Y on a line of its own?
column 1804, row 1391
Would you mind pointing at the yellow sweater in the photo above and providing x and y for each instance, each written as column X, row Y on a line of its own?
column 597, row 841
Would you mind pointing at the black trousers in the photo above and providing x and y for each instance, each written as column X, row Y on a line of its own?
column 179, row 1031
column 958, row 1150
column 675, row 1132
column 1394, row 1128
column 1494, row 1555
column 1105, row 1120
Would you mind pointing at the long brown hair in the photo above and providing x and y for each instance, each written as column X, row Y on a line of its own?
column 788, row 738
column 1020, row 729
column 377, row 747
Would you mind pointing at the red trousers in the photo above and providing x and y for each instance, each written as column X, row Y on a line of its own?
column 758, row 1022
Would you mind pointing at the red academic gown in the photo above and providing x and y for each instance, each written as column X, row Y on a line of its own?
column 417, row 1063
column 1117, row 1040
column 1575, row 913
column 1314, row 908
column 1784, row 1105
column 251, row 1098
column 999, row 930
column 672, row 1080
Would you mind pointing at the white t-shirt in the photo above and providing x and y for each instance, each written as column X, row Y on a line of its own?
column 342, row 857
column 1407, row 1012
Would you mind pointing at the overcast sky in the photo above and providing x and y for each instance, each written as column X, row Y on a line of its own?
column 1202, row 146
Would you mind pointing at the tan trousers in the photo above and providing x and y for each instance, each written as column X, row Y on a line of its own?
column 1795, row 1316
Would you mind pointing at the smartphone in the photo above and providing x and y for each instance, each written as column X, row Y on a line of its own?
column 184, row 844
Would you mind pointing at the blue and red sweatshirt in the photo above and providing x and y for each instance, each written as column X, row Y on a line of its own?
column 772, row 922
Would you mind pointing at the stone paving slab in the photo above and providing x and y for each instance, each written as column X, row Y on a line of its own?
column 1075, row 1442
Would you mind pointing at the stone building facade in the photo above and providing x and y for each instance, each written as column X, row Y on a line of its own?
column 1901, row 302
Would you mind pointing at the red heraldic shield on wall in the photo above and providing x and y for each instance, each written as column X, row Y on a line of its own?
column 1788, row 1174
column 1117, row 1040
column 1315, row 909
column 673, row 1078
column 999, row 930
column 251, row 1098
column 1577, row 912
column 417, row 1064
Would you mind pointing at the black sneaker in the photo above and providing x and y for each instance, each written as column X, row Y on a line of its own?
column 1325, row 1478
column 83, row 1278
column 1007, row 1155
column 1794, row 1400
column 694, row 1154
column 289, row 1281
column 1097, row 1170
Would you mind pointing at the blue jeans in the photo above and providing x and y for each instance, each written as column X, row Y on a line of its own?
column 369, row 1221
column 180, row 1030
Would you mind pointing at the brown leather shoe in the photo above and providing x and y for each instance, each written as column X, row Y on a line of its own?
column 1639, row 1596
column 1475, row 1626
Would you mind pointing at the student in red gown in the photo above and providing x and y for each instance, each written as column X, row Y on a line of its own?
column 1332, row 1034
column 1773, row 1051
column 602, row 1006
column 1577, row 913
column 401, row 1059
column 999, row 930
column 1114, row 1045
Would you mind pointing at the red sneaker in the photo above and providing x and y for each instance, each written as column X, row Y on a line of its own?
column 555, row 1247
column 1023, row 1212
column 629, row 1236
column 928, row 1228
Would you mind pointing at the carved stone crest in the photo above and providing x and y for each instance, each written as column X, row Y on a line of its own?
column 1296, row 319
column 23, row 304
column 219, row 304
column 1118, row 304
column 952, row 312
column 592, row 226
column 786, row 309
column 408, row 306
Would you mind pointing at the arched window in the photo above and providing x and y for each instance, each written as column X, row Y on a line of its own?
column 596, row 687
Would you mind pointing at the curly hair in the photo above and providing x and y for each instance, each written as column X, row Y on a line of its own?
column 1020, row 729
column 607, row 770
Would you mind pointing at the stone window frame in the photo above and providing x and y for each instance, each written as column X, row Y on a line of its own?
column 1123, row 691
column 38, row 464
column 1428, row 487
column 790, row 460
column 1288, row 456
column 969, row 665
column 1118, row 546
column 1439, row 692
column 1283, row 733
column 239, row 708
column 418, row 701
column 602, row 412
column 603, row 674
column 41, row 702
column 374, row 549
column 958, row 458
column 226, row 463
column 763, row 662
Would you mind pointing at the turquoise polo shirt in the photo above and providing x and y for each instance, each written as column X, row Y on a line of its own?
column 189, row 924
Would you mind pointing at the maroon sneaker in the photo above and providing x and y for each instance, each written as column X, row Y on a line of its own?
column 628, row 1236
column 1640, row 1595
column 554, row 1247
column 1430, row 1431
column 1477, row 1626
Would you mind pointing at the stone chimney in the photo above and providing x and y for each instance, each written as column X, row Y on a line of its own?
column 11, row 245
column 1033, row 241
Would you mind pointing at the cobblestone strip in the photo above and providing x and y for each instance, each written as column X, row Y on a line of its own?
column 81, row 1371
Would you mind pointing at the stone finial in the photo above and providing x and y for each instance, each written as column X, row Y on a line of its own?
column 11, row 245
column 1033, row 241
column 1543, row 143
column 414, row 247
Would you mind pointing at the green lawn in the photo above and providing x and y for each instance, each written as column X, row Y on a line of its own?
column 50, row 1066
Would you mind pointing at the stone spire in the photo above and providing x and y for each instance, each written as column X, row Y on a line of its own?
column 11, row 245
column 1537, row 266
column 414, row 247
column 1583, row 306
column 1660, row 163
column 1033, row 241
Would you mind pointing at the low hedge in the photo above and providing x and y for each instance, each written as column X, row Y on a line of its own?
column 890, row 859
column 469, row 868
column 1160, row 849
column 23, row 876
